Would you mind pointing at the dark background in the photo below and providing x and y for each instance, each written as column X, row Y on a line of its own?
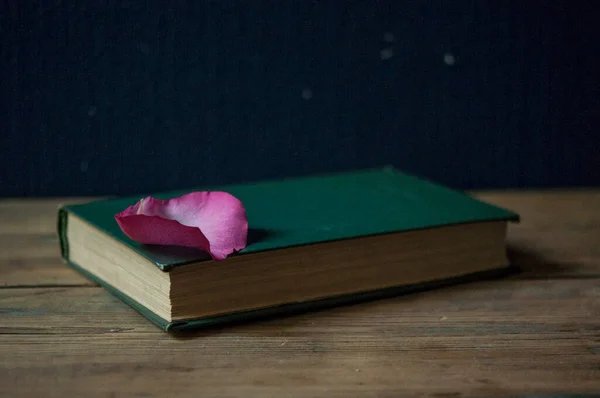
column 117, row 97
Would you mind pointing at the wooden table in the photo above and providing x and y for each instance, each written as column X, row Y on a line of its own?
column 535, row 332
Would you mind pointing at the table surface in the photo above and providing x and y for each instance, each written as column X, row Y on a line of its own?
column 534, row 332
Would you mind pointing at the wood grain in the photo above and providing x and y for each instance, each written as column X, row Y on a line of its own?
column 558, row 234
column 554, row 240
column 32, row 216
column 537, row 332
column 499, row 337
column 29, row 251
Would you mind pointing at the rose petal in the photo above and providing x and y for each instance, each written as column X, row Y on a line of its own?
column 214, row 222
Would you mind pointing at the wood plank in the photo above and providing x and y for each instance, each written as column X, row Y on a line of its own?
column 44, row 272
column 559, row 232
column 557, row 237
column 29, row 250
column 34, row 260
column 32, row 216
column 500, row 337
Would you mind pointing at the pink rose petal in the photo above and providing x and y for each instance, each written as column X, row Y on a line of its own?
column 214, row 222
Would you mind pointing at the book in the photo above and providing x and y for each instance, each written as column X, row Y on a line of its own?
column 314, row 242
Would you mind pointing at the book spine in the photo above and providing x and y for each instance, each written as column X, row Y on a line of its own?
column 62, row 233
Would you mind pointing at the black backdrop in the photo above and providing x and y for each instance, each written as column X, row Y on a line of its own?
column 116, row 97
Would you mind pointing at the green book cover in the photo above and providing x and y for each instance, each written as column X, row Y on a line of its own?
column 304, row 210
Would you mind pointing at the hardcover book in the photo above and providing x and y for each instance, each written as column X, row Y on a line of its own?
column 314, row 242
